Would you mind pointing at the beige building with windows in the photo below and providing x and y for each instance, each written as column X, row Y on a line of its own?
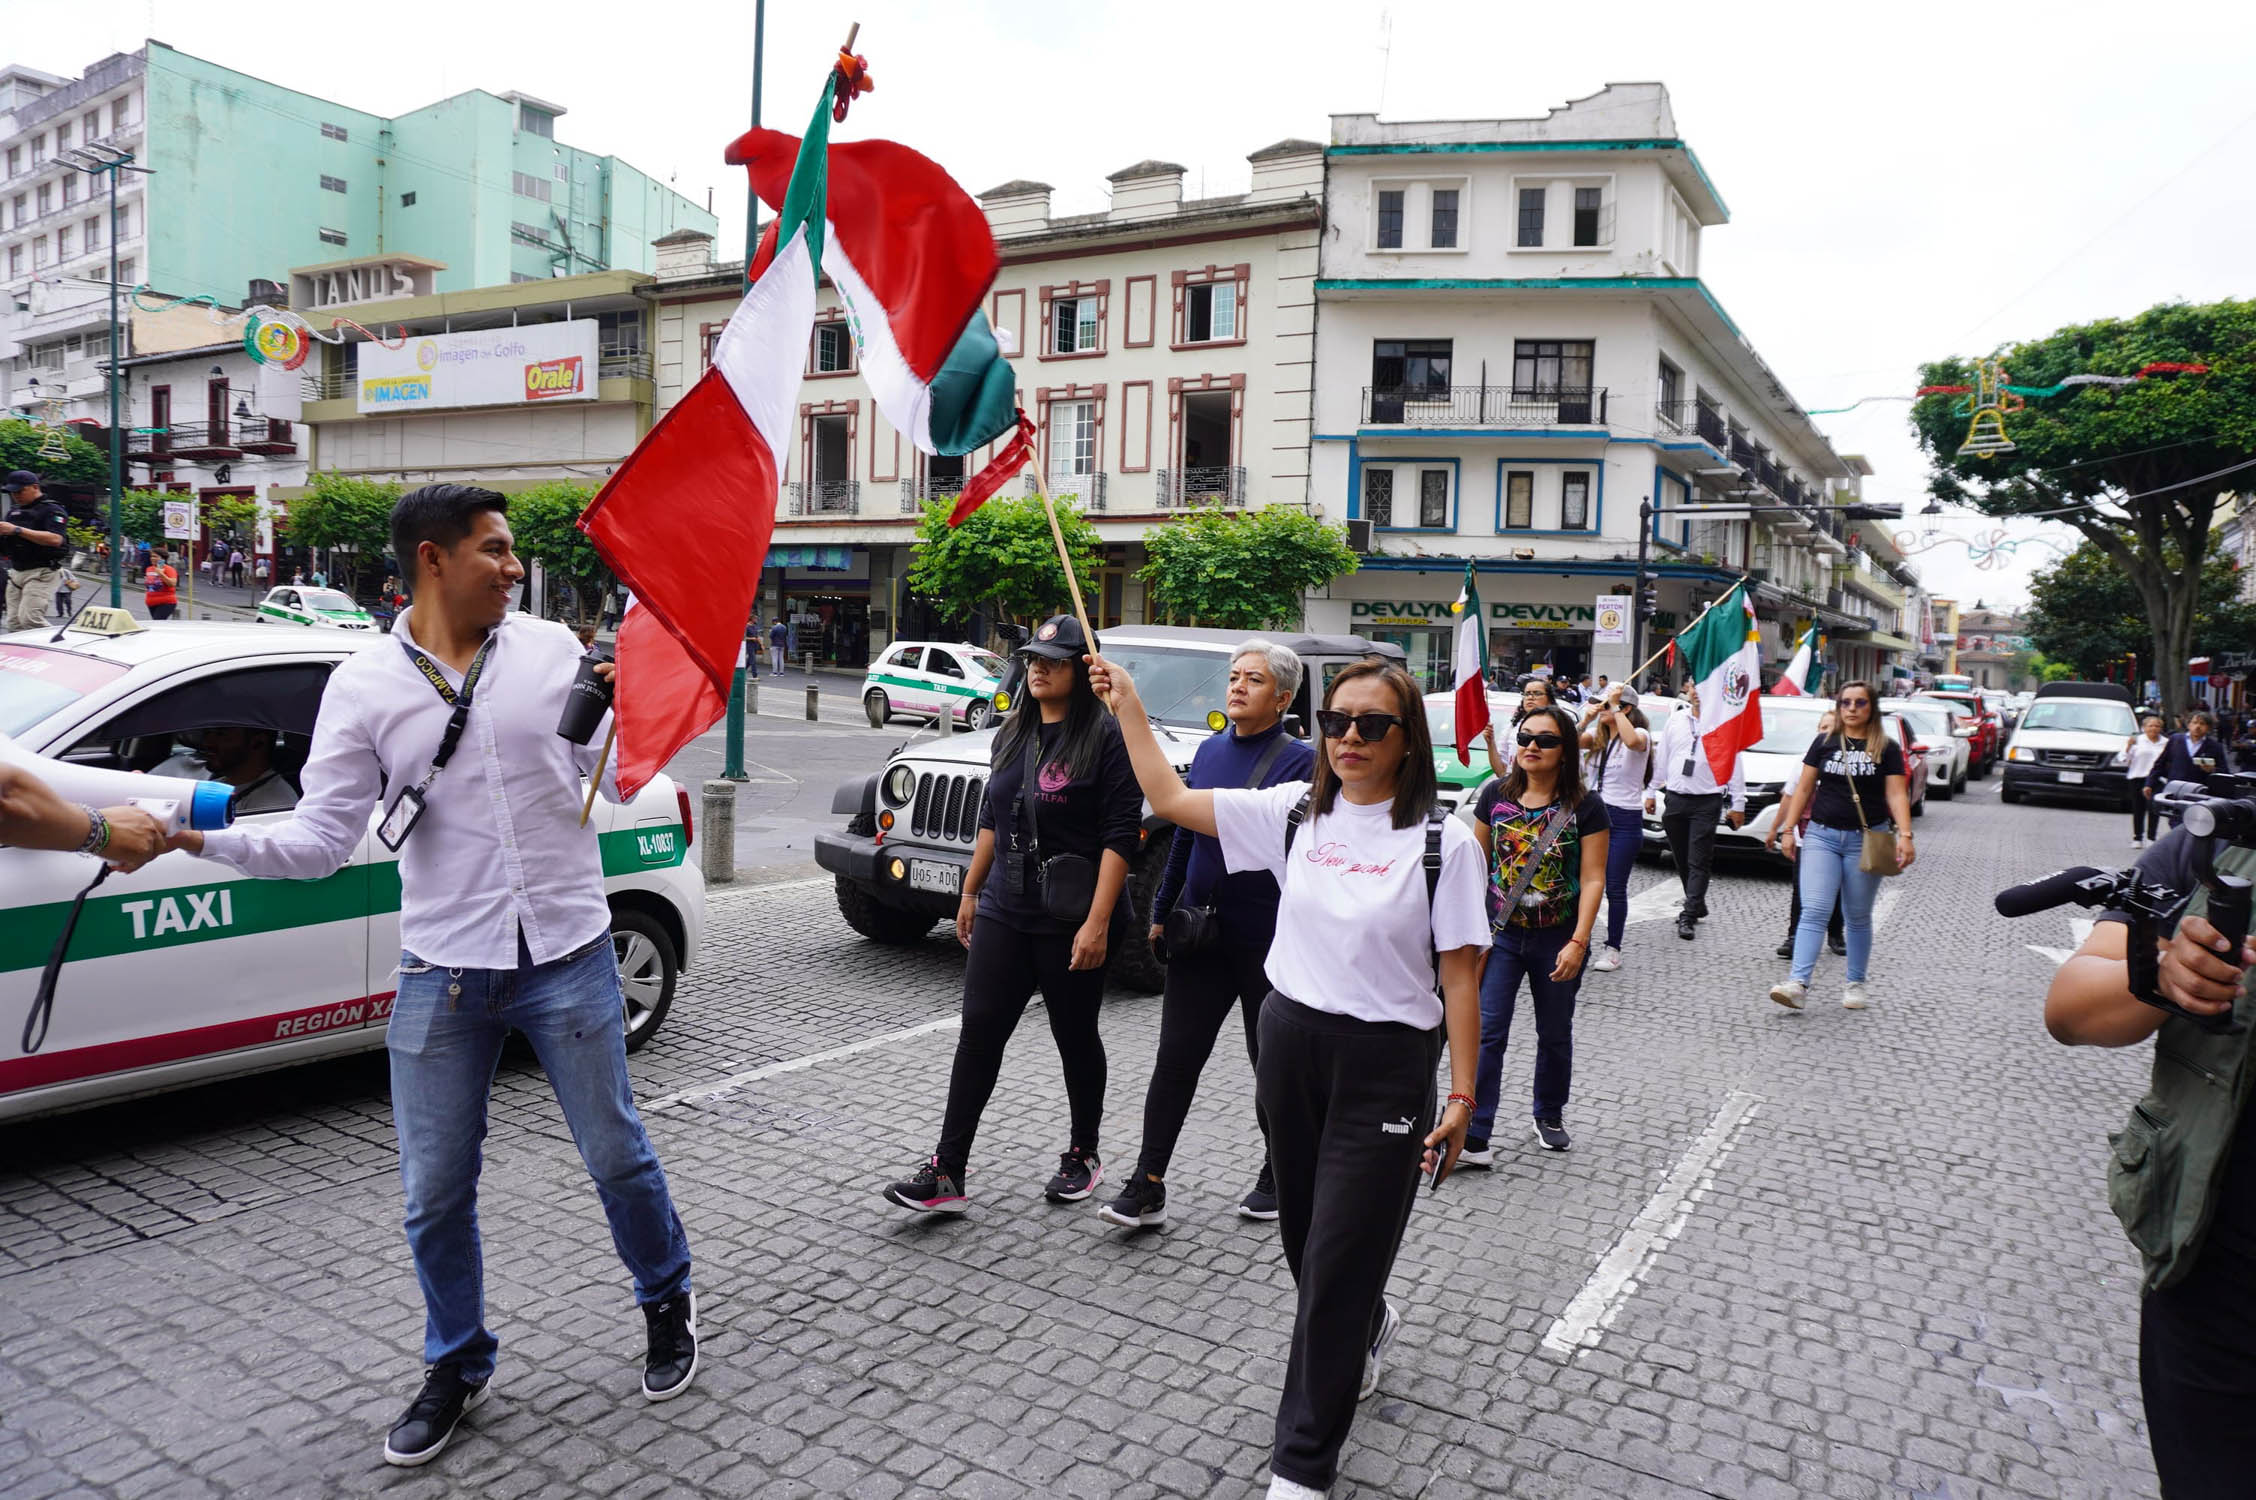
column 1164, row 347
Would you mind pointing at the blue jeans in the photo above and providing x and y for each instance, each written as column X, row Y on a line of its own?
column 1827, row 869
column 1625, row 827
column 1531, row 952
column 445, row 1039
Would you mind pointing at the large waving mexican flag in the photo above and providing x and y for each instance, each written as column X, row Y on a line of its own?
column 1722, row 653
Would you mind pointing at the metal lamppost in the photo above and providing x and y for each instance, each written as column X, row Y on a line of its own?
column 95, row 161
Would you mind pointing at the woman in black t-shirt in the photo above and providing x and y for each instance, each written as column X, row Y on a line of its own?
column 1851, row 779
column 1084, row 803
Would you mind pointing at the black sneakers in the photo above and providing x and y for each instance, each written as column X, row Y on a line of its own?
column 1685, row 926
column 423, row 1429
column 1141, row 1205
column 1261, row 1202
column 930, row 1191
column 671, row 1363
column 1552, row 1132
column 1077, row 1177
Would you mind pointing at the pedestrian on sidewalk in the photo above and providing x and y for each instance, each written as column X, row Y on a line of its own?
column 36, row 542
column 1040, row 909
column 503, row 927
column 779, row 637
column 1836, row 934
column 1546, row 840
column 1852, row 779
column 1216, row 940
column 1380, row 897
column 2144, row 749
column 160, row 587
column 1695, row 804
column 235, row 566
column 66, row 589
column 1618, row 747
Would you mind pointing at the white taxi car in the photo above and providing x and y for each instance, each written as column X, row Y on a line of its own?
column 299, row 604
column 185, row 971
column 923, row 678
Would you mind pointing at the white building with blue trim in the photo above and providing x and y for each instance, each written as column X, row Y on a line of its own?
column 1514, row 350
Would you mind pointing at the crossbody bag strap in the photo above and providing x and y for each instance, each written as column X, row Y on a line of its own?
column 1268, row 761
column 1294, row 819
column 1856, row 798
column 1029, row 768
column 1435, row 817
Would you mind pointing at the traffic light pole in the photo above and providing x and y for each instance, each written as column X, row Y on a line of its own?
column 1637, row 600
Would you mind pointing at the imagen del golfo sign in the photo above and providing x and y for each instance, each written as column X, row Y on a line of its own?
column 488, row 367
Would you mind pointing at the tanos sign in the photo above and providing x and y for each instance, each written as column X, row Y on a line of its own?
column 492, row 367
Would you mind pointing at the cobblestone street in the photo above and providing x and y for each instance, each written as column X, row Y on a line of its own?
column 1860, row 1255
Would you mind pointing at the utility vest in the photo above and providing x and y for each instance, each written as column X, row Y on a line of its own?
column 2169, row 1159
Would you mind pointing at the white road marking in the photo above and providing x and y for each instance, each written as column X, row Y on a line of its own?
column 1660, row 1221
column 1657, row 902
column 707, row 1092
column 1884, row 904
column 2079, row 929
column 767, row 887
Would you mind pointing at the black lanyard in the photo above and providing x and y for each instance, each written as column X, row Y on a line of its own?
column 460, row 702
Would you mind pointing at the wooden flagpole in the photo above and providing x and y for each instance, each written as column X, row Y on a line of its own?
column 1057, row 534
column 596, row 781
column 1672, row 640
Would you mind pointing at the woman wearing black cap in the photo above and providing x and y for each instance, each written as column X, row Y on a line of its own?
column 1061, row 820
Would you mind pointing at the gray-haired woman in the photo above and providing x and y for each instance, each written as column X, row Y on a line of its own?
column 1214, row 961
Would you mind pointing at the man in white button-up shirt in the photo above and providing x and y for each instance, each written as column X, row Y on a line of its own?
column 1695, row 799
column 503, row 924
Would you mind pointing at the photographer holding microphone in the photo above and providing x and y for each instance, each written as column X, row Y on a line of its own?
column 503, row 926
column 2183, row 1175
column 1381, row 925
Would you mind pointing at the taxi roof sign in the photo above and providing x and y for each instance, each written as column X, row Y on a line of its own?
column 101, row 619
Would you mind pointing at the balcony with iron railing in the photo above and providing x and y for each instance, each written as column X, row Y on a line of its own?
column 1742, row 452
column 1200, row 484
column 199, row 442
column 1483, row 406
column 1697, row 418
column 916, row 492
column 822, row 497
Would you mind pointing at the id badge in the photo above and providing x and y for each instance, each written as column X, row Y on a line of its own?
column 400, row 821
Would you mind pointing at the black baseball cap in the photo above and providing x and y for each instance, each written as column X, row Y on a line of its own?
column 1060, row 638
column 17, row 479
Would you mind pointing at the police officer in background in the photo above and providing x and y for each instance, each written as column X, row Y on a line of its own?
column 1217, row 939
column 36, row 545
column 2183, row 1176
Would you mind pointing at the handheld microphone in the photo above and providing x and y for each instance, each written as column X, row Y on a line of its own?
column 2055, row 889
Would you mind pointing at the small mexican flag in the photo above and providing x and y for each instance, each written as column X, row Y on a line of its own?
column 1472, row 668
column 1722, row 652
column 1800, row 678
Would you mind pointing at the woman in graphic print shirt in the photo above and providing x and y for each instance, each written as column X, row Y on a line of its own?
column 1352, row 1030
column 1545, row 935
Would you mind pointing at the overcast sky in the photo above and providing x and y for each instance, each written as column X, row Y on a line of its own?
column 1905, row 181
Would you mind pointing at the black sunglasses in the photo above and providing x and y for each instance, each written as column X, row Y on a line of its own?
column 1373, row 727
column 1540, row 739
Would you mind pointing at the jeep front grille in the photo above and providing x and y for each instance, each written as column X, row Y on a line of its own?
column 947, row 808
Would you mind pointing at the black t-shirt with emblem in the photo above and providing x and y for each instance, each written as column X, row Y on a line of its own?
column 1842, row 764
column 1099, row 808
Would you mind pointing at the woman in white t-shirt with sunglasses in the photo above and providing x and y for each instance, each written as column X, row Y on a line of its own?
column 1352, row 1030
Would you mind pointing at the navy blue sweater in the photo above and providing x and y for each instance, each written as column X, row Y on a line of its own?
column 1247, row 903
column 2177, row 763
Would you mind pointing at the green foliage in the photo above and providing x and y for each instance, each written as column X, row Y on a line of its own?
column 338, row 511
column 2085, row 614
column 1241, row 570
column 545, row 519
column 1002, row 558
column 85, row 463
column 2147, row 452
column 83, row 538
column 141, row 516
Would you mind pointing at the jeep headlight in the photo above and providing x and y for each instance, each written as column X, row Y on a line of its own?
column 899, row 785
column 2022, row 752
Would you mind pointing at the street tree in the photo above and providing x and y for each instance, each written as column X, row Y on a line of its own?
column 2086, row 613
column 1241, row 570
column 1002, row 558
column 228, row 518
column 350, row 517
column 545, row 519
column 2138, row 469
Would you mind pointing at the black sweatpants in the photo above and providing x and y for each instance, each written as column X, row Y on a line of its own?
column 2197, row 1370
column 1006, row 966
column 1689, row 821
column 1201, row 989
column 1349, row 1104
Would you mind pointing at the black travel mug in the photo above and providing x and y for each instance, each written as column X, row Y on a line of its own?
column 585, row 704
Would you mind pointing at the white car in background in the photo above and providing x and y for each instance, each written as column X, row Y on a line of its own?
column 185, row 971
column 1950, row 755
column 924, row 678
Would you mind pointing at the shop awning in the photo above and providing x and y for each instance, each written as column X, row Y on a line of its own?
column 1878, row 638
column 818, row 559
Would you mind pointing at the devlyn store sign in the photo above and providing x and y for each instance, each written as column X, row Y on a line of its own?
column 1436, row 612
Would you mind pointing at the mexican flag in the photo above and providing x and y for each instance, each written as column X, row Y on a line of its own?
column 686, row 521
column 1472, row 668
column 1800, row 678
column 1722, row 654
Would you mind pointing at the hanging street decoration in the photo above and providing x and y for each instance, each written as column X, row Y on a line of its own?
column 281, row 317
column 1993, row 397
column 1990, row 549
column 273, row 341
column 52, row 430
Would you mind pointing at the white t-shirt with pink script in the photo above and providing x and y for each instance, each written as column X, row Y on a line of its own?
column 1353, row 936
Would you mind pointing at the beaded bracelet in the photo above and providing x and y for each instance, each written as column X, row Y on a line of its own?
column 97, row 832
column 1465, row 1099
